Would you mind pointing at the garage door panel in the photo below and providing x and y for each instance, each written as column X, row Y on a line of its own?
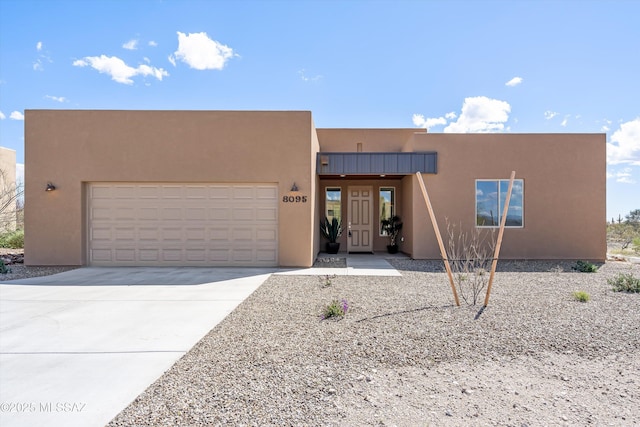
column 243, row 214
column 221, row 214
column 183, row 224
column 171, row 214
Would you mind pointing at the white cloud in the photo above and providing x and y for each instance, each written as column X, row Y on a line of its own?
column 624, row 144
column 480, row 114
column 514, row 81
column 420, row 121
column 118, row 69
column 152, row 43
column 623, row 176
column 38, row 64
column 2, row 116
column 200, row 52
column 452, row 115
column 304, row 78
column 565, row 121
column 131, row 44
column 16, row 115
column 605, row 128
column 57, row 98
column 550, row 114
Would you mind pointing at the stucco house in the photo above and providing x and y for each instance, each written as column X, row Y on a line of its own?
column 249, row 188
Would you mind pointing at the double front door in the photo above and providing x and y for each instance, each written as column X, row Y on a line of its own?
column 360, row 221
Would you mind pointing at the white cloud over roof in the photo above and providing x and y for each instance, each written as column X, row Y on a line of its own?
column 624, row 144
column 56, row 98
column 200, row 52
column 480, row 114
column 16, row 115
column 2, row 116
column 420, row 121
column 118, row 69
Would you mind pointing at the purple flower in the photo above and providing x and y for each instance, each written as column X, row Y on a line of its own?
column 345, row 306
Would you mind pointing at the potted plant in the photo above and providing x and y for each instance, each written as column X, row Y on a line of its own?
column 391, row 227
column 331, row 230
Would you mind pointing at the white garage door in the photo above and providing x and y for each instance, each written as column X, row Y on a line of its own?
column 157, row 224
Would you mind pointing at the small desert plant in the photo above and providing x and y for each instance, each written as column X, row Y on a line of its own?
column 325, row 281
column 625, row 282
column 470, row 257
column 337, row 308
column 581, row 296
column 557, row 269
column 391, row 227
column 3, row 268
column 585, row 267
column 331, row 230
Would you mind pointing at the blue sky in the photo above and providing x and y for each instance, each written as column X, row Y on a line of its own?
column 467, row 66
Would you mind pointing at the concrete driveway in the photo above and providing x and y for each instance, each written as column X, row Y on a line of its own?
column 77, row 347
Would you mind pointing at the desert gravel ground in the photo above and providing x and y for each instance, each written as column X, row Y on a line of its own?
column 404, row 355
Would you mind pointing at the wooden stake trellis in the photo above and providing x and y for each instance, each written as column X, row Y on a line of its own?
column 500, row 233
column 443, row 252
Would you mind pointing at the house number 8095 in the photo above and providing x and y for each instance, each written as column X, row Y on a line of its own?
column 294, row 199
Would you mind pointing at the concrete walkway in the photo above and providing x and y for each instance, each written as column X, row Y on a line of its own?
column 77, row 347
column 357, row 265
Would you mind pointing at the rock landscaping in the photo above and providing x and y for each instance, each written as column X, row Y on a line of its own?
column 404, row 355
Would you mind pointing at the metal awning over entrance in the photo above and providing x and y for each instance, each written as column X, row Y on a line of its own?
column 376, row 163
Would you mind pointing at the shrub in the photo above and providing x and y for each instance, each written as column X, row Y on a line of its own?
column 325, row 281
column 3, row 268
column 636, row 245
column 581, row 296
column 12, row 239
column 335, row 309
column 470, row 257
column 625, row 282
column 585, row 267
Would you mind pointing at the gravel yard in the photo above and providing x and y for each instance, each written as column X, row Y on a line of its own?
column 405, row 355
column 20, row 271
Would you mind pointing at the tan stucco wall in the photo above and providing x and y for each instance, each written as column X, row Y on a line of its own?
column 564, row 191
column 372, row 140
column 7, row 189
column 564, row 176
column 70, row 148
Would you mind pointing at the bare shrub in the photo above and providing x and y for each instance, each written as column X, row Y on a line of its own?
column 470, row 255
column 11, row 203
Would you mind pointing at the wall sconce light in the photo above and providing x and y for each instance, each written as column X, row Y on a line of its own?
column 294, row 187
column 50, row 187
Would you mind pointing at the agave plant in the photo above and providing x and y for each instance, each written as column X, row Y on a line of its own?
column 331, row 230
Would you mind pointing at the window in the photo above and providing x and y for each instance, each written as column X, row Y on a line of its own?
column 333, row 207
column 491, row 195
column 387, row 205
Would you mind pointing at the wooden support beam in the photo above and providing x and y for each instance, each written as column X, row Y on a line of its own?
column 443, row 252
column 494, row 264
